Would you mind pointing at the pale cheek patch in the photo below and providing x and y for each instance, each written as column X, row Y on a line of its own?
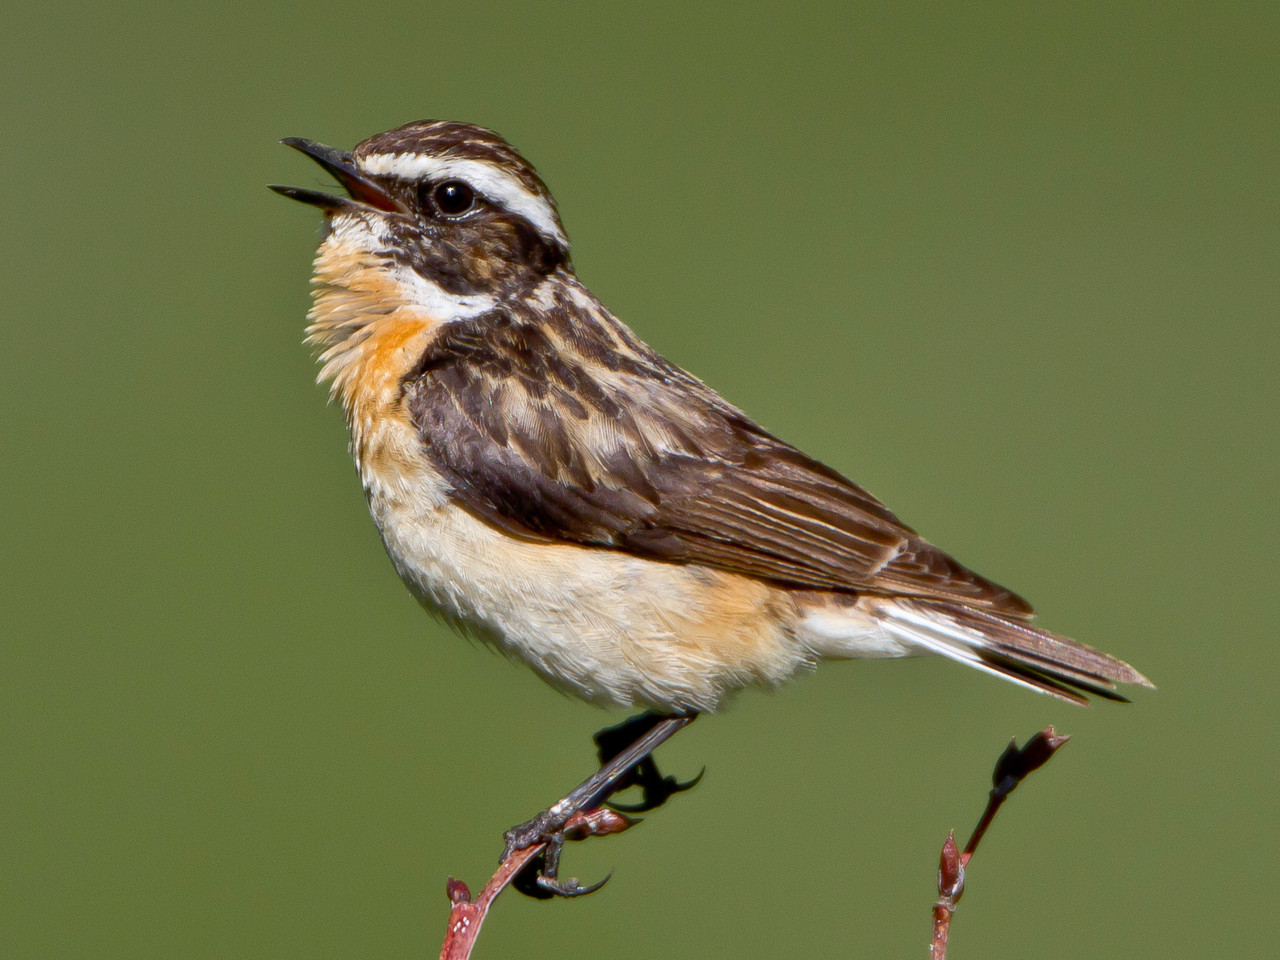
column 358, row 231
column 494, row 183
column 433, row 299
column 355, row 284
column 370, row 320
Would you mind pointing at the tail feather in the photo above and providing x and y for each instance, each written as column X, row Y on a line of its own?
column 1053, row 682
column 1013, row 650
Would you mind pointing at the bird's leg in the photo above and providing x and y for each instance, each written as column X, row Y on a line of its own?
column 613, row 775
column 648, row 733
column 656, row 788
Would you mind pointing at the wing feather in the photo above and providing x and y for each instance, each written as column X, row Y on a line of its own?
column 577, row 432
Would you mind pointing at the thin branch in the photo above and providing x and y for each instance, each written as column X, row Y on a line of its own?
column 467, row 915
column 1014, row 765
column 531, row 859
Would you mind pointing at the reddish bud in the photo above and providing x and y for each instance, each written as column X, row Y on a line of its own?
column 598, row 822
column 950, row 871
column 1016, row 763
column 458, row 891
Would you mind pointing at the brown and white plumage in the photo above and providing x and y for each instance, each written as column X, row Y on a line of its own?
column 546, row 480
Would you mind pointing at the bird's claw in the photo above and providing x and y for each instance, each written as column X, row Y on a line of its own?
column 570, row 887
column 657, row 789
column 586, row 810
column 540, row 880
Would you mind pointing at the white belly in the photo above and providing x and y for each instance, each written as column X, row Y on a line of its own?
column 606, row 626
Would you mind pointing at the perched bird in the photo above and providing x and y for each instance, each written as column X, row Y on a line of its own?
column 549, row 483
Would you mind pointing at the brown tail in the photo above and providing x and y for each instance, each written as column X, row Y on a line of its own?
column 1011, row 649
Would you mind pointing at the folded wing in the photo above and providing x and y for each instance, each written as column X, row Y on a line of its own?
column 579, row 433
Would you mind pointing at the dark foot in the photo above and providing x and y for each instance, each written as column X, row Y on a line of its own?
column 624, row 750
column 547, row 827
column 540, row 878
column 655, row 788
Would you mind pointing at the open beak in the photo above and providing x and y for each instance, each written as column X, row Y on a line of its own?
column 363, row 191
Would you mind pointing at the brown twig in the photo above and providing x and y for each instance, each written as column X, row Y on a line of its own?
column 466, row 916
column 531, row 859
column 1012, row 767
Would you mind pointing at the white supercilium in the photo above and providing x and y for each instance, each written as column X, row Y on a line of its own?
column 493, row 182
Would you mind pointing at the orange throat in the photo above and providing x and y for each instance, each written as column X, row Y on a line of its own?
column 368, row 333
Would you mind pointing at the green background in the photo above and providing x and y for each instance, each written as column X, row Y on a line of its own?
column 1012, row 266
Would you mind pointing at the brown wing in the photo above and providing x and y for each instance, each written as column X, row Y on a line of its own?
column 575, row 431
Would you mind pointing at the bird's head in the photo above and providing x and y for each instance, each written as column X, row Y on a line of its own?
column 441, row 222
column 452, row 203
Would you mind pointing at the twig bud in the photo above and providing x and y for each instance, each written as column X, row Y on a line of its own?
column 950, row 872
column 597, row 822
column 1016, row 763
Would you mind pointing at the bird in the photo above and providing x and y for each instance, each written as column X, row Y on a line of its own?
column 548, row 483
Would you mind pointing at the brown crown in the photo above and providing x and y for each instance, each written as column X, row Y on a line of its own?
column 449, row 139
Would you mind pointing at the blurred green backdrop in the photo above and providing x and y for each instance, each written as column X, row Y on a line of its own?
column 1013, row 267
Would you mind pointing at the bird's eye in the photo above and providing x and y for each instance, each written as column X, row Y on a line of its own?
column 453, row 198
